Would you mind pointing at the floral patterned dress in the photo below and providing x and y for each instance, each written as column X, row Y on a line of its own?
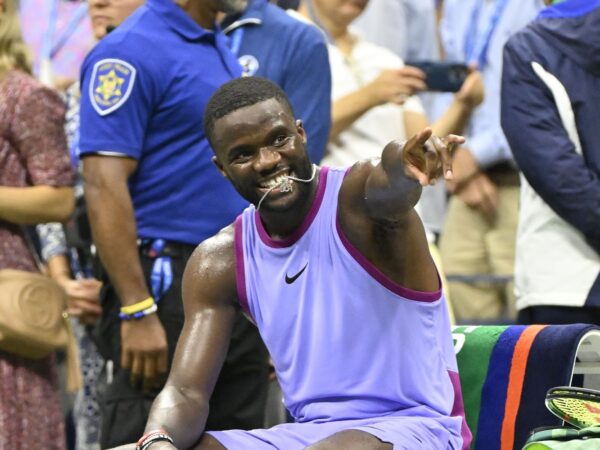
column 33, row 151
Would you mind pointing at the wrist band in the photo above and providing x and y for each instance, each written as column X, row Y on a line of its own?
column 139, row 314
column 151, row 437
column 137, row 307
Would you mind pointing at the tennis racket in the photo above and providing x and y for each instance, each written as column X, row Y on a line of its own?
column 576, row 406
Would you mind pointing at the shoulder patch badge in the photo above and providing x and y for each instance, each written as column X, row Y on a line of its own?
column 112, row 81
column 249, row 65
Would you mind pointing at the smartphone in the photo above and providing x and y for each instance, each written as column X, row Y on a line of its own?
column 442, row 76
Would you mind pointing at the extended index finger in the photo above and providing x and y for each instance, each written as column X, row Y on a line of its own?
column 418, row 140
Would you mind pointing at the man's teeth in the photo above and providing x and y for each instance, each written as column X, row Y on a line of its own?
column 275, row 181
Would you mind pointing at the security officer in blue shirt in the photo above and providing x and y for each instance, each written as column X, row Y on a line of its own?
column 153, row 195
column 292, row 53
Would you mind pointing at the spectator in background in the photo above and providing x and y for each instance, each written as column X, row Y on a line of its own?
column 551, row 117
column 478, row 238
column 393, row 24
column 69, row 259
column 149, row 179
column 272, row 44
column 372, row 91
column 35, row 179
column 59, row 35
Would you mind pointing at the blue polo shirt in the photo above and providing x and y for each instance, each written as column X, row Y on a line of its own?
column 293, row 54
column 144, row 89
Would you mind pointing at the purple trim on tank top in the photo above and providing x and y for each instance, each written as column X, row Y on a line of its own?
column 383, row 279
column 240, row 273
column 458, row 409
column 299, row 232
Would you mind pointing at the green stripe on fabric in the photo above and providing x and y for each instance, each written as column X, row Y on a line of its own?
column 474, row 345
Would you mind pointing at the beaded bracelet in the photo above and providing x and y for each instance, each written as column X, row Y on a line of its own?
column 151, row 437
column 137, row 307
column 139, row 314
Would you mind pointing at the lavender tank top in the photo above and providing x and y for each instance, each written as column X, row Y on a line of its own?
column 346, row 341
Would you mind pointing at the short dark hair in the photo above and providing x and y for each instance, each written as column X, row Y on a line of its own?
column 239, row 93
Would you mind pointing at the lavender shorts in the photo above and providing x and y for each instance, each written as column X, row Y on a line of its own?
column 403, row 432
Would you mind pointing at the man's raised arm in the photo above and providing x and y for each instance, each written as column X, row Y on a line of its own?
column 376, row 208
column 393, row 186
column 210, row 299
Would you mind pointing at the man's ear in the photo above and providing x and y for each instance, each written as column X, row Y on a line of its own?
column 300, row 130
column 217, row 163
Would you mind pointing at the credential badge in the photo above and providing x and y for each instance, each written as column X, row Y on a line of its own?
column 112, row 81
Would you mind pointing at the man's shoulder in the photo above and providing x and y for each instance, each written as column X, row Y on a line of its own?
column 28, row 91
column 218, row 245
column 526, row 44
column 355, row 177
column 135, row 42
column 275, row 18
column 211, row 270
column 23, row 83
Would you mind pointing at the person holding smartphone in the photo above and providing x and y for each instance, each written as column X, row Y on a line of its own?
column 372, row 89
column 393, row 24
column 373, row 93
column 478, row 241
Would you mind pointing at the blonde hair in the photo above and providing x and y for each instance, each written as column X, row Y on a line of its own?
column 14, row 54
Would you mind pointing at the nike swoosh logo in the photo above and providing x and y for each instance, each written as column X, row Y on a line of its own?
column 290, row 280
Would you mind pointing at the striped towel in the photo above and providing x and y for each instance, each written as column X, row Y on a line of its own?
column 505, row 373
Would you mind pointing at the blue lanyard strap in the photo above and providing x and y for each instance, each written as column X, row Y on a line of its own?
column 70, row 28
column 48, row 49
column 52, row 19
column 161, row 277
column 477, row 44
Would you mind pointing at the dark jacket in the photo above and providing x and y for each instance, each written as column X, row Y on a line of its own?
column 551, row 118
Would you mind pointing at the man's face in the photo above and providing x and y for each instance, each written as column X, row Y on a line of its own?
column 256, row 146
column 105, row 13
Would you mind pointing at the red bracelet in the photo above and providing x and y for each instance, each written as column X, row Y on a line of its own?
column 151, row 437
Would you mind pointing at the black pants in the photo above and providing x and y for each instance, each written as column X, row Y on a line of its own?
column 239, row 398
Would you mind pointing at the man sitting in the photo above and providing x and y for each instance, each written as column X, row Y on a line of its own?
column 333, row 267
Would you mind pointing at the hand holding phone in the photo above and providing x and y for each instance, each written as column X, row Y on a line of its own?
column 442, row 76
column 395, row 85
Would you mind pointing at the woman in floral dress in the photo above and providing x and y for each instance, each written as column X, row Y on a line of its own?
column 35, row 180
